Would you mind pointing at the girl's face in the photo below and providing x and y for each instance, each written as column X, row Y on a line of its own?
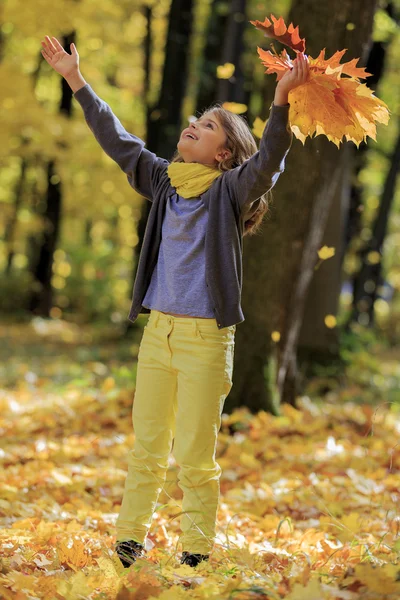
column 204, row 141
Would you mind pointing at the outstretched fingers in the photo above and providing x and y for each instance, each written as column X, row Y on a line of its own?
column 48, row 44
column 52, row 47
column 57, row 45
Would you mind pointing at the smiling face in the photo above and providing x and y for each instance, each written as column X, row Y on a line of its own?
column 204, row 141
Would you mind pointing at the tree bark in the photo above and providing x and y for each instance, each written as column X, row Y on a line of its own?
column 216, row 24
column 165, row 118
column 278, row 265
column 369, row 278
column 233, row 89
column 318, row 344
column 364, row 294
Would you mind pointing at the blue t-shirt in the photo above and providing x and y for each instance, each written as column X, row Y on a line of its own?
column 178, row 283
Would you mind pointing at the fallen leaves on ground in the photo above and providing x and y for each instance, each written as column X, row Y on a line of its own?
column 308, row 509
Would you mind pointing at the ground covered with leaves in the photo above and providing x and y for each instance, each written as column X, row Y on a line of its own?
column 309, row 503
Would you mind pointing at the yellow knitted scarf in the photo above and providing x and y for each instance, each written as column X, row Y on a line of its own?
column 191, row 179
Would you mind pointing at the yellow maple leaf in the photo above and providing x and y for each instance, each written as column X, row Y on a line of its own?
column 314, row 111
column 350, row 527
column 312, row 591
column 383, row 579
column 73, row 553
column 341, row 108
column 76, row 587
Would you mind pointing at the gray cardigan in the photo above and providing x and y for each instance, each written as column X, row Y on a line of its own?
column 229, row 201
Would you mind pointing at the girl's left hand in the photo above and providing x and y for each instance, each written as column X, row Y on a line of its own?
column 298, row 75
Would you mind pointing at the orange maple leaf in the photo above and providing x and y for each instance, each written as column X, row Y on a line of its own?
column 275, row 63
column 333, row 64
column 289, row 36
column 336, row 108
column 327, row 103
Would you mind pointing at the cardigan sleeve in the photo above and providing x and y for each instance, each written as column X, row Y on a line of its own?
column 142, row 167
column 259, row 173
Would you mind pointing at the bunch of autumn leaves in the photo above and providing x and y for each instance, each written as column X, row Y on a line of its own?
column 328, row 103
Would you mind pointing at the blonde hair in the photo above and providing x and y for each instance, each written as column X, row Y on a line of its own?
column 242, row 145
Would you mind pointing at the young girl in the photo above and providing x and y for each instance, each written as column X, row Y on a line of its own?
column 189, row 279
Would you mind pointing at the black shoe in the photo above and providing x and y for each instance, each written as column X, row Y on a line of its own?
column 192, row 559
column 128, row 551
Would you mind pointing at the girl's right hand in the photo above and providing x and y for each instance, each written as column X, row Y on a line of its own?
column 62, row 62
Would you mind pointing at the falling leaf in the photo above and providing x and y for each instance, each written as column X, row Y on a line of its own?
column 374, row 257
column 330, row 321
column 225, row 71
column 258, row 127
column 326, row 252
column 235, row 107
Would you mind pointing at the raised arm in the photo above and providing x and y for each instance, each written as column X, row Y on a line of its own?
column 260, row 173
column 142, row 167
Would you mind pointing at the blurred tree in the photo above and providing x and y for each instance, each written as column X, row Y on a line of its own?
column 216, row 23
column 164, row 119
column 233, row 52
column 319, row 344
column 10, row 229
column 42, row 294
column 368, row 279
column 226, row 22
column 279, row 265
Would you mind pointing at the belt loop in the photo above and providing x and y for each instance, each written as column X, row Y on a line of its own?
column 156, row 318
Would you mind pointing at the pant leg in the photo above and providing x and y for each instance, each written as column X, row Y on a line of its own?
column 204, row 361
column 153, row 412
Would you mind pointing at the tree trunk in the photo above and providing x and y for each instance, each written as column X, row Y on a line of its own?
column 41, row 298
column 216, row 26
column 318, row 344
column 278, row 266
column 233, row 89
column 9, row 234
column 324, row 290
column 165, row 118
column 369, row 278
column 364, row 294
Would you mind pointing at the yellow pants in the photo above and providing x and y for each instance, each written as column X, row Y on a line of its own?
column 184, row 375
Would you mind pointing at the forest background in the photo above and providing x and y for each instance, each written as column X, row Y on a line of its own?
column 309, row 440
column 72, row 230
